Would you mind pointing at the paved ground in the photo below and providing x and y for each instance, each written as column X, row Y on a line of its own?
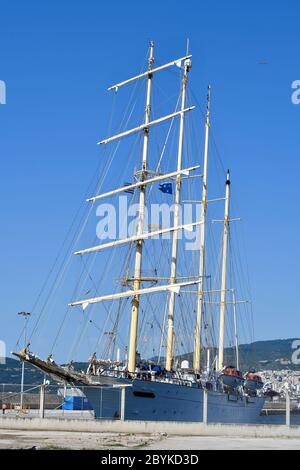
column 224, row 443
column 78, row 440
column 65, row 414
column 73, row 440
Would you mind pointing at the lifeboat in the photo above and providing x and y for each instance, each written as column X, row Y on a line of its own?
column 231, row 377
column 253, row 381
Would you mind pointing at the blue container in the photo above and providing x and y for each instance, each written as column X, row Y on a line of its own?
column 76, row 403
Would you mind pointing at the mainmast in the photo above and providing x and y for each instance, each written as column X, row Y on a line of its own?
column 224, row 275
column 197, row 351
column 140, row 228
column 170, row 339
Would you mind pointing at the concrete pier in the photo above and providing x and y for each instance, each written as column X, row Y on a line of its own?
column 147, row 427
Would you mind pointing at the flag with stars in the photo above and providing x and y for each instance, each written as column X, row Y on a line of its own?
column 166, row 188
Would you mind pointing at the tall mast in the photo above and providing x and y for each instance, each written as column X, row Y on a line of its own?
column 170, row 339
column 140, row 229
column 224, row 275
column 197, row 351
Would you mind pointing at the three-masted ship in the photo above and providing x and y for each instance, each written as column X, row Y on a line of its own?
column 162, row 389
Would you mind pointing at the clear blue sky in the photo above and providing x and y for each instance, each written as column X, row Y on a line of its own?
column 57, row 59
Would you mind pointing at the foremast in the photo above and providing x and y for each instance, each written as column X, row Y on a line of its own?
column 224, row 275
column 171, row 308
column 140, row 228
column 198, row 327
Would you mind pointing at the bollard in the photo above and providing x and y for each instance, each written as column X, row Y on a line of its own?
column 42, row 401
column 205, row 400
column 287, row 409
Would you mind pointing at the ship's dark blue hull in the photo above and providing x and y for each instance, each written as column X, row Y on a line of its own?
column 161, row 401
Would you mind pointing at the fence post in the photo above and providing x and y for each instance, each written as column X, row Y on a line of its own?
column 205, row 400
column 122, row 410
column 287, row 409
column 101, row 402
column 42, row 401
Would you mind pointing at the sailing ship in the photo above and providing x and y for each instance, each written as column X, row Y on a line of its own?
column 160, row 388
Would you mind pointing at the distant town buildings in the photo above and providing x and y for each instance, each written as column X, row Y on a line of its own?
column 282, row 380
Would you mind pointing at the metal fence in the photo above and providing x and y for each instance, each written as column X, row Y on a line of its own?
column 57, row 401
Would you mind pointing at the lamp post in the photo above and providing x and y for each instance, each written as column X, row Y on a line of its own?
column 25, row 315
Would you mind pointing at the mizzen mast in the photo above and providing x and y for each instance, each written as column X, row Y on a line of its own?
column 224, row 275
column 170, row 338
column 197, row 350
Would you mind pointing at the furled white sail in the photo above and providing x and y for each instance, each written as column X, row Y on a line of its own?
column 131, row 293
column 135, row 238
column 145, row 126
column 185, row 172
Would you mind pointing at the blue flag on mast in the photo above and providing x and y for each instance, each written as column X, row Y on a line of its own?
column 166, row 188
column 129, row 190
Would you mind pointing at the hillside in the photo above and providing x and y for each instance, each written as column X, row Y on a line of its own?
column 11, row 373
column 273, row 354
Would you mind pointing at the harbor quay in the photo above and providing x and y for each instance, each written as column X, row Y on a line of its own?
column 57, row 433
column 148, row 427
